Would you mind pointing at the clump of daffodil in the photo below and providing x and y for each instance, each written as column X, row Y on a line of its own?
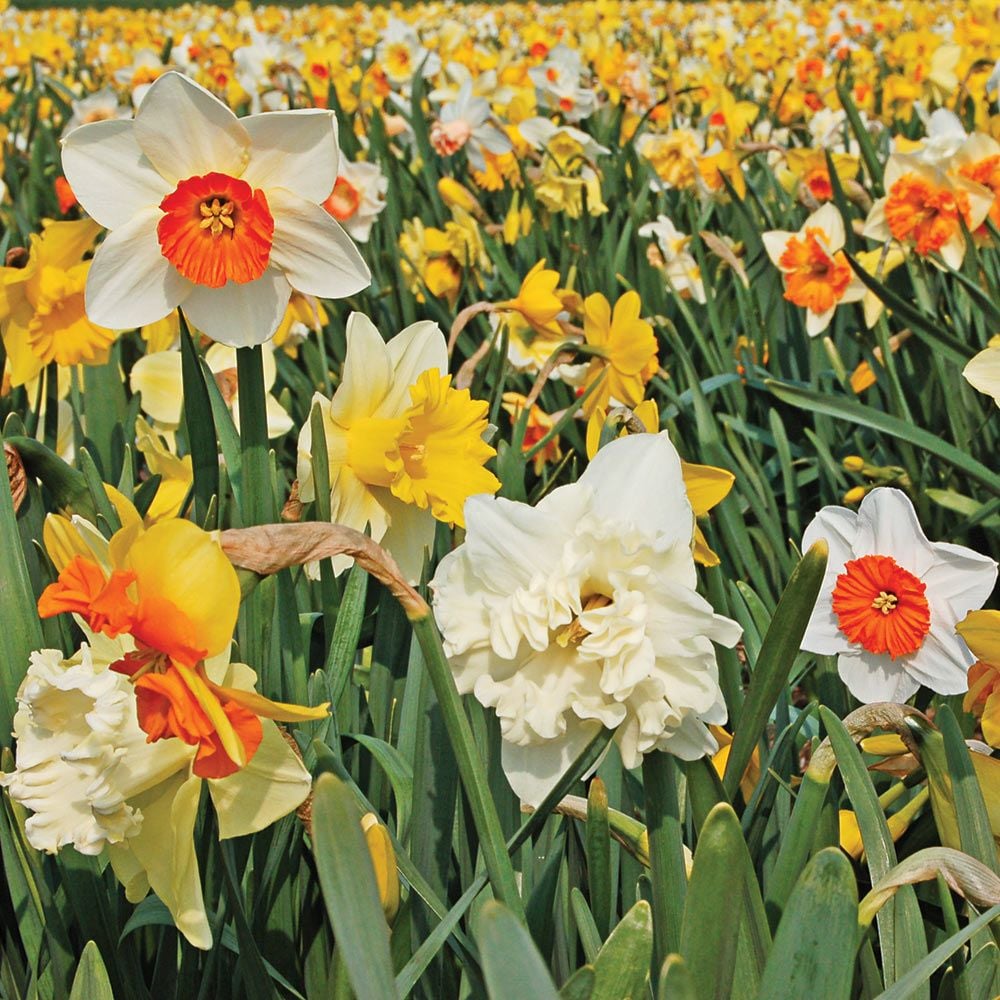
column 623, row 351
column 150, row 584
column 405, row 448
column 42, row 315
column 705, row 485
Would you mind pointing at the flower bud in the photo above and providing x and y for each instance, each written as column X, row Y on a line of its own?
column 855, row 495
column 854, row 463
column 453, row 193
column 384, row 862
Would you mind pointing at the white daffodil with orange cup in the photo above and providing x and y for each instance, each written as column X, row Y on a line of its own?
column 815, row 270
column 217, row 214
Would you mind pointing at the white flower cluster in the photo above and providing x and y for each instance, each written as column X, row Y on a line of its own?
column 75, row 724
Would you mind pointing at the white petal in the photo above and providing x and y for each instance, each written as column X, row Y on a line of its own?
column 816, row 323
column 412, row 351
column 186, row 132
column 888, row 526
column 240, row 315
column 941, row 664
column 296, row 150
column 158, row 377
column 279, row 422
column 637, row 480
column 961, row 578
column 691, row 740
column 109, row 174
column 829, row 219
column 872, row 678
column 317, row 256
column 409, row 536
column 271, row 785
column 367, row 373
column 130, row 282
column 775, row 243
column 533, row 771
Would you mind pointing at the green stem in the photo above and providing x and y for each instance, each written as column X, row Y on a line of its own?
column 666, row 852
column 258, row 502
column 471, row 767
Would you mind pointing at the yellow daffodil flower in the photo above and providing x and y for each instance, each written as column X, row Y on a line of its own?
column 42, row 314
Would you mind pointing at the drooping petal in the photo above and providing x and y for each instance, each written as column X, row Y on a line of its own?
column 532, row 771
column 109, row 174
column 295, row 150
column 130, row 282
column 240, row 315
column 186, row 132
column 271, row 785
column 315, row 253
column 164, row 848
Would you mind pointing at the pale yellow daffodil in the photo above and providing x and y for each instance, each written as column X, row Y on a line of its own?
column 983, row 371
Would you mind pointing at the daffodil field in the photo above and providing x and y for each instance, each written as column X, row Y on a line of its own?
column 502, row 501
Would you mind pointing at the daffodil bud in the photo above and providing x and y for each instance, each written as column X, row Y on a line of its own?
column 384, row 862
column 453, row 193
column 854, row 463
column 856, row 494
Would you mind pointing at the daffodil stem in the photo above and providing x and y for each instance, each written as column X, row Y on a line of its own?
column 666, row 852
column 258, row 496
column 471, row 767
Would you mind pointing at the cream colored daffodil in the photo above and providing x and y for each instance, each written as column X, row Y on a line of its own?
column 158, row 377
column 404, row 447
column 983, row 371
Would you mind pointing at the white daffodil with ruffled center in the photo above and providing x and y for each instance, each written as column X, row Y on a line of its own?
column 582, row 612
column 891, row 599
column 86, row 771
column 218, row 214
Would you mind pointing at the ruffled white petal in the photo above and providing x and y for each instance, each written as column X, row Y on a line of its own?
column 109, row 174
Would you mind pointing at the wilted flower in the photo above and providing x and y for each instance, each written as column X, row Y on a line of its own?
column 581, row 612
column 891, row 599
column 220, row 215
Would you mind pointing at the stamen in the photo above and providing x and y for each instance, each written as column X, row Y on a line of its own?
column 885, row 602
column 217, row 216
column 574, row 632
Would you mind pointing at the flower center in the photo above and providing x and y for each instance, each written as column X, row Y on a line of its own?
column 574, row 633
column 448, row 138
column 344, row 200
column 881, row 606
column 215, row 229
column 923, row 214
column 813, row 278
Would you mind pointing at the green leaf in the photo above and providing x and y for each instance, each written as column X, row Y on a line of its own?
column 622, row 966
column 350, row 892
column 865, row 416
column 675, row 980
column 91, row 980
column 599, row 855
column 714, row 905
column 512, row 967
column 777, row 654
column 901, row 932
column 200, row 426
column 904, row 987
column 580, row 985
column 21, row 633
column 400, row 774
column 817, row 939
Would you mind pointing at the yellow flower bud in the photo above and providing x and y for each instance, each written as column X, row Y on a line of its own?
column 453, row 193
column 384, row 862
column 855, row 495
column 854, row 463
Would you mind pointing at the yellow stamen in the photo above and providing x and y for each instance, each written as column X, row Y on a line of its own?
column 885, row 602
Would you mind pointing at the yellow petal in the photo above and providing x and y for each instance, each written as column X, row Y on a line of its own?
column 981, row 632
column 706, row 486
